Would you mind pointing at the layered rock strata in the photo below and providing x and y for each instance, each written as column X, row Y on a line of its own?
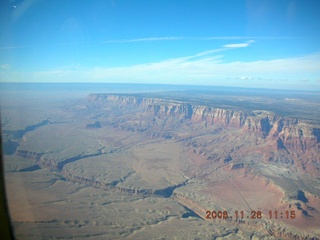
column 289, row 134
column 299, row 141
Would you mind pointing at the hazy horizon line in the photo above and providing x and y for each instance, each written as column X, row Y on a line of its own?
column 158, row 84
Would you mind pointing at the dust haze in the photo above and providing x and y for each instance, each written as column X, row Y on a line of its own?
column 115, row 161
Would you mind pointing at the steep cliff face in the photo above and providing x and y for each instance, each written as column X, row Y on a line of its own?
column 298, row 137
column 113, row 186
column 287, row 133
column 39, row 159
column 30, row 155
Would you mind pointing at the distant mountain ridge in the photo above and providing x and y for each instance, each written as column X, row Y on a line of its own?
column 296, row 138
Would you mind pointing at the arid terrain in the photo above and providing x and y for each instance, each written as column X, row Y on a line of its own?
column 223, row 164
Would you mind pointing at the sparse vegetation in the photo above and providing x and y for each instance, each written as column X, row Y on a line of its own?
column 118, row 169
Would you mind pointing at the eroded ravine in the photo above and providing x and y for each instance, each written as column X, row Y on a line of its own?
column 13, row 137
column 193, row 207
column 268, row 126
column 44, row 162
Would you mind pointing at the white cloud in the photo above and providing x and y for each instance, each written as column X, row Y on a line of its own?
column 172, row 38
column 245, row 78
column 11, row 47
column 239, row 45
column 211, row 69
column 144, row 39
column 200, row 70
column 235, row 45
column 5, row 66
column 207, row 67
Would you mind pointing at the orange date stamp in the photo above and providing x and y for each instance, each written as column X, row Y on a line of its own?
column 214, row 214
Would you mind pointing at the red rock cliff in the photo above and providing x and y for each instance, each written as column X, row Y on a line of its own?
column 287, row 133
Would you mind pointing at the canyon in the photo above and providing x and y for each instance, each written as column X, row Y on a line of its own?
column 181, row 154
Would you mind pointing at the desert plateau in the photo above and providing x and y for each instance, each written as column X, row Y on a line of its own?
column 162, row 165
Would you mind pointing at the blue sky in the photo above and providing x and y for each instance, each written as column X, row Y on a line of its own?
column 267, row 43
